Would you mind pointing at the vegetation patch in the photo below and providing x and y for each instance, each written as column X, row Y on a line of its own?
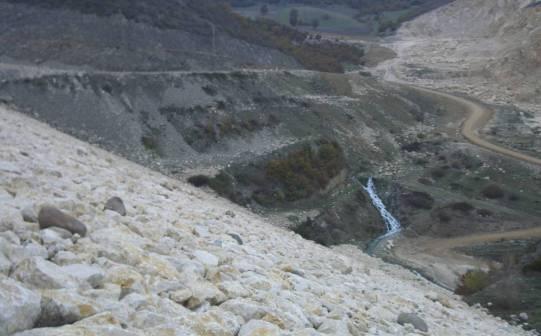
column 419, row 200
column 199, row 180
column 472, row 282
column 463, row 207
column 295, row 175
column 306, row 171
column 533, row 266
column 493, row 191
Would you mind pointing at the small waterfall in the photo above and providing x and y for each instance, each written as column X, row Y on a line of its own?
column 393, row 225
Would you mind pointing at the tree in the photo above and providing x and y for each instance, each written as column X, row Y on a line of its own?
column 264, row 10
column 315, row 23
column 294, row 17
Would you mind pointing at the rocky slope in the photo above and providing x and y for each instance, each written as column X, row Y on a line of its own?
column 182, row 262
column 489, row 48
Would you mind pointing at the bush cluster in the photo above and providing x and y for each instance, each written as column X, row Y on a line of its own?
column 199, row 180
column 472, row 282
column 419, row 200
column 493, row 191
column 534, row 266
column 306, row 171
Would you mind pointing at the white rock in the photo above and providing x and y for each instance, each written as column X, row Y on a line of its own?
column 233, row 289
column 100, row 324
column 39, row 273
column 8, row 167
column 245, row 308
column 19, row 307
column 18, row 253
column 5, row 264
column 60, row 307
column 259, row 327
column 215, row 321
column 49, row 236
column 29, row 214
column 66, row 258
column 145, row 319
column 181, row 295
column 523, row 316
column 206, row 258
column 135, row 300
column 92, row 274
column 334, row 327
column 202, row 292
column 10, row 237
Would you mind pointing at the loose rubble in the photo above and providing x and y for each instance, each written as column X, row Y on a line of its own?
column 172, row 265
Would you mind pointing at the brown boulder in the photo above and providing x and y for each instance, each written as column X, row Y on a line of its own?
column 50, row 216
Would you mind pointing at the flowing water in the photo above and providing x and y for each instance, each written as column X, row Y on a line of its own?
column 392, row 224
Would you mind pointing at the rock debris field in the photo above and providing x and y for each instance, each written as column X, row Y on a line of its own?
column 154, row 256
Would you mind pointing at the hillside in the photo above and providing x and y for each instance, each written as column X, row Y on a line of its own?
column 181, row 261
column 489, row 48
column 342, row 17
column 120, row 42
column 164, row 35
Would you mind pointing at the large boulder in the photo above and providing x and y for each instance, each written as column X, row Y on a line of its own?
column 52, row 217
column 19, row 307
column 97, row 325
column 60, row 307
column 32, row 249
column 259, row 327
column 206, row 258
column 203, row 291
column 245, row 308
column 91, row 274
column 43, row 274
column 117, row 205
column 410, row 318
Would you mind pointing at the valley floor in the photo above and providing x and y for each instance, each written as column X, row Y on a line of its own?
column 183, row 262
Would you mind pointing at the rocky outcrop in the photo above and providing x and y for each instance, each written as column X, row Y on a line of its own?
column 170, row 267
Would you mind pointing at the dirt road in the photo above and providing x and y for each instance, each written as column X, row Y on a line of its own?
column 442, row 244
column 479, row 116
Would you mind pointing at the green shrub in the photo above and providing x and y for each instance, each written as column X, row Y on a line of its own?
column 484, row 212
column 150, row 143
column 438, row 173
column 443, row 216
column 493, row 191
column 419, row 200
column 472, row 282
column 222, row 184
column 534, row 266
column 306, row 171
column 199, row 180
column 462, row 207
column 425, row 181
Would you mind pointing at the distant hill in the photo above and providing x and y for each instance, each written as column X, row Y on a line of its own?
column 371, row 16
column 157, row 35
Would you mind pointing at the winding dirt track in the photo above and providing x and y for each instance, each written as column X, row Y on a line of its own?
column 478, row 117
